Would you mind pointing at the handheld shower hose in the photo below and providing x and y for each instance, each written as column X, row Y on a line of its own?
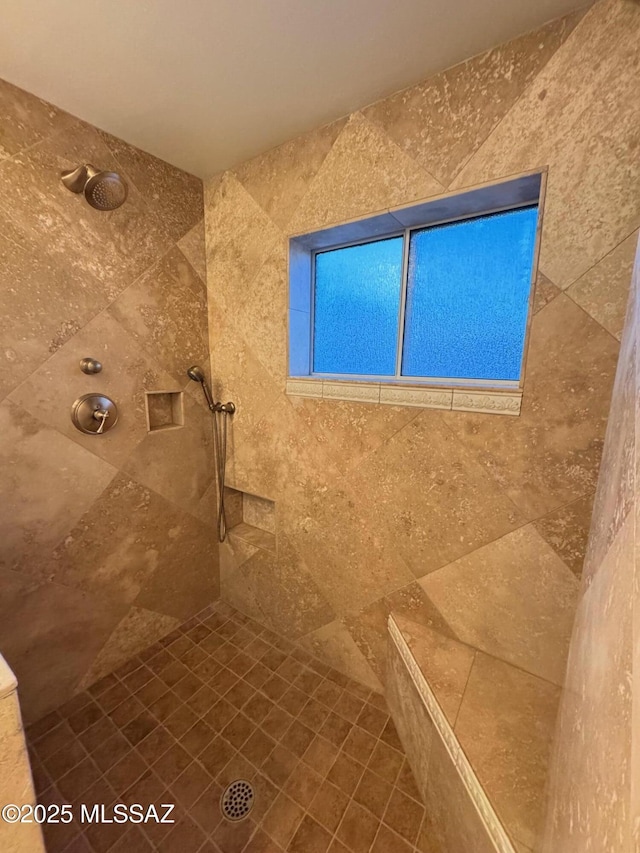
column 221, row 411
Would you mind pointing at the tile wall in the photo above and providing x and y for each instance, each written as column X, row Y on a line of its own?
column 470, row 524
column 593, row 795
column 106, row 542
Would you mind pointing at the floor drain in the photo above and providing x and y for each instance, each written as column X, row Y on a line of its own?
column 237, row 800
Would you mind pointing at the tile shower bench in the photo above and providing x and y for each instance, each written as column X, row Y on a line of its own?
column 477, row 734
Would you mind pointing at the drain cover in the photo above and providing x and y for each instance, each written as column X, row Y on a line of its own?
column 237, row 800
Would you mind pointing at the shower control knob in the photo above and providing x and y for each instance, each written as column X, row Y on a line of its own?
column 94, row 414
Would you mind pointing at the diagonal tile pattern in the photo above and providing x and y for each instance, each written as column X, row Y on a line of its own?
column 96, row 532
column 368, row 503
column 222, row 698
column 443, row 121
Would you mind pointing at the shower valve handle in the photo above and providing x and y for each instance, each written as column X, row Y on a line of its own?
column 101, row 415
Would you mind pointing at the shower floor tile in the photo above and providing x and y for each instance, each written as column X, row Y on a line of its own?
column 221, row 699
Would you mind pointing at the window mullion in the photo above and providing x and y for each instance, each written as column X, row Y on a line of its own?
column 403, row 302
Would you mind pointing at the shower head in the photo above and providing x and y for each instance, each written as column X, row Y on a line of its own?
column 195, row 373
column 103, row 190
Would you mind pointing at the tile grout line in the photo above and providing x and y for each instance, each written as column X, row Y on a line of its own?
column 339, row 686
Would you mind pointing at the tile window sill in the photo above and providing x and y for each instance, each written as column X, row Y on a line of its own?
column 453, row 399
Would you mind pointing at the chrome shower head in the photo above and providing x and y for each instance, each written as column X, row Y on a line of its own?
column 102, row 190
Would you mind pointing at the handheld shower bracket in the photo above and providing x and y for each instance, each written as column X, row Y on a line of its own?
column 196, row 374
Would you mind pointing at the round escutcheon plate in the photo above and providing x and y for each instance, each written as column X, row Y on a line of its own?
column 94, row 414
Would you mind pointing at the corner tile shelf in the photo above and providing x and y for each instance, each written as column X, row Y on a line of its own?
column 251, row 518
column 164, row 410
column 454, row 399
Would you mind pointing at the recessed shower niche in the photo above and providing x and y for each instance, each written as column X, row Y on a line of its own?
column 251, row 518
column 164, row 410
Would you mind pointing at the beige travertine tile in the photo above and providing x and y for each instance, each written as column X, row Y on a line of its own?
column 505, row 727
column 236, row 372
column 207, row 509
column 235, row 590
column 279, row 179
column 592, row 789
column 193, row 248
column 549, row 456
column 233, row 505
column 254, row 536
column 259, row 512
column 354, row 562
column 334, row 644
column 445, row 663
column 44, row 301
column 113, row 248
column 16, row 784
column 415, row 727
column 127, row 535
column 443, row 121
column 234, row 587
column 513, row 598
column 187, row 576
column 544, row 293
column 275, row 454
column 451, row 819
column 48, row 485
column 26, row 119
column 369, row 627
column 239, row 237
column 49, row 635
column 71, row 514
column 603, row 290
column 435, row 510
column 165, row 311
column 592, row 755
column 287, row 591
column 351, row 430
column 136, row 631
column 577, row 118
column 616, row 483
column 127, row 373
column 566, row 530
column 174, row 196
column 187, row 459
column 364, row 172
column 233, row 553
column 260, row 315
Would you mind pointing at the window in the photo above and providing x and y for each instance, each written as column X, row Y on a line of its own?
column 443, row 300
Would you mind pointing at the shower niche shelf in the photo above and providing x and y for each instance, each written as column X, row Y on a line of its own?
column 251, row 518
column 164, row 410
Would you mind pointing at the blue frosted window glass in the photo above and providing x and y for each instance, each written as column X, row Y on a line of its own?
column 357, row 303
column 467, row 297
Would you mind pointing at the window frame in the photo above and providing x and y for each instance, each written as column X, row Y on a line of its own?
column 492, row 191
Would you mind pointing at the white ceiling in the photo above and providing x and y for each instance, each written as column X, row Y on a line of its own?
column 205, row 84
